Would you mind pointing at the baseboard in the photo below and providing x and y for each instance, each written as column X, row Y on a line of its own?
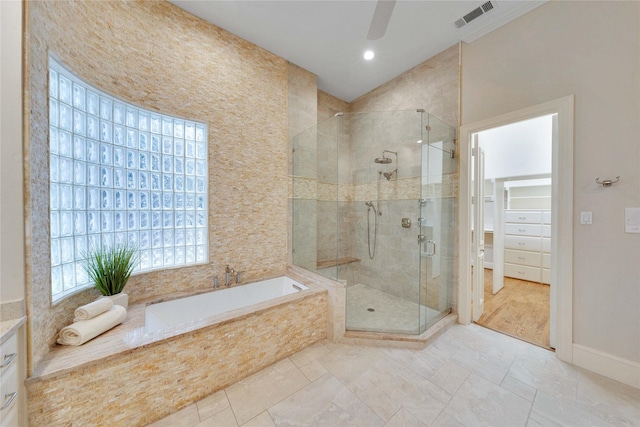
column 610, row 366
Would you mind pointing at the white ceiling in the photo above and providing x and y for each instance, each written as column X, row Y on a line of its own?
column 329, row 38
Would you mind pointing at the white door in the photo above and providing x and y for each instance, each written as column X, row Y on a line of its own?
column 553, row 286
column 498, row 236
column 478, row 233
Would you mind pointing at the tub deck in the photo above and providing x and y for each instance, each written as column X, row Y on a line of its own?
column 127, row 377
column 130, row 335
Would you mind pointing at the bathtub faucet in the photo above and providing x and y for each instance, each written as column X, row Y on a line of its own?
column 239, row 277
column 229, row 272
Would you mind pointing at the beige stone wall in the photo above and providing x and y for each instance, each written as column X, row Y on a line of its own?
column 329, row 105
column 154, row 54
column 432, row 85
column 150, row 382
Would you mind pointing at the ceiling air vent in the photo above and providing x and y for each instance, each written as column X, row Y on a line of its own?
column 475, row 13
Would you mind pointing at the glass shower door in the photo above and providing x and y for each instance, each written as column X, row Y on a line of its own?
column 437, row 206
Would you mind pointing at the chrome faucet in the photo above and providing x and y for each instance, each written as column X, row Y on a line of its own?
column 239, row 277
column 229, row 272
column 215, row 282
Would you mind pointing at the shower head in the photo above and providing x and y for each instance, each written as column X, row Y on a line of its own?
column 383, row 160
column 388, row 175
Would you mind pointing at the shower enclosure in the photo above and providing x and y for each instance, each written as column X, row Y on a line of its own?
column 373, row 207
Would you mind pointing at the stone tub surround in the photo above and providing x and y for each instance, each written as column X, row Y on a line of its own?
column 137, row 373
column 336, row 302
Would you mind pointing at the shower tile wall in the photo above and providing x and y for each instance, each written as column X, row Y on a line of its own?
column 302, row 101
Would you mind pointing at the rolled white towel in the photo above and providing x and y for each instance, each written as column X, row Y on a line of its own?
column 91, row 310
column 80, row 332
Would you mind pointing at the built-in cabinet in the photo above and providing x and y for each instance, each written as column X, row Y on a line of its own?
column 527, row 245
column 9, row 382
column 12, row 369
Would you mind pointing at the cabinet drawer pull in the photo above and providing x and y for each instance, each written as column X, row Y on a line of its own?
column 8, row 399
column 522, row 258
column 521, row 272
column 522, row 217
column 8, row 358
column 522, row 230
column 522, row 243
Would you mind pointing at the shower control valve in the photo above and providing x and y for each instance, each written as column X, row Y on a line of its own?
column 406, row 223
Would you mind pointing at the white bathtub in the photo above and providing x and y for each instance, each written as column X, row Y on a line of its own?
column 189, row 310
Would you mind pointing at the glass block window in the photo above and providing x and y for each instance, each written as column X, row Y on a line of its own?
column 121, row 174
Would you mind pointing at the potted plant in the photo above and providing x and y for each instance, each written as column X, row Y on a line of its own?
column 109, row 268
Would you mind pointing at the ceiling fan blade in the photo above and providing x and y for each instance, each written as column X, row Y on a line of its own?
column 380, row 19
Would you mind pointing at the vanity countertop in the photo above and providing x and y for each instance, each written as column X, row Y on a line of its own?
column 9, row 327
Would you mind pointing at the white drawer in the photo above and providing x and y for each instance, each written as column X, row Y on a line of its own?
column 546, row 260
column 546, row 276
column 10, row 419
column 546, row 217
column 8, row 354
column 522, row 272
column 523, row 229
column 522, row 257
column 523, row 217
column 522, row 243
column 546, row 245
column 546, row 231
column 8, row 391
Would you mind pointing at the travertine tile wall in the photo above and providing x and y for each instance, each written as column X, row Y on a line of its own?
column 432, row 85
column 154, row 54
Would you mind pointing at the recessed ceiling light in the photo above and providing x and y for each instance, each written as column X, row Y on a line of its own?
column 368, row 55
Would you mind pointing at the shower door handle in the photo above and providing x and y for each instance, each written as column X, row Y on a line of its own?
column 430, row 248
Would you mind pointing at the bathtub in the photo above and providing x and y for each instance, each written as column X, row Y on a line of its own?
column 194, row 358
column 197, row 308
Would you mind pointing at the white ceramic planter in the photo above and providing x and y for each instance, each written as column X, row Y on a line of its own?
column 120, row 299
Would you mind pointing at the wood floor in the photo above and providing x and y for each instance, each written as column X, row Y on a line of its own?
column 520, row 309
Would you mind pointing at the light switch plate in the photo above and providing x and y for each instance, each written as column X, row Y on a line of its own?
column 586, row 217
column 632, row 220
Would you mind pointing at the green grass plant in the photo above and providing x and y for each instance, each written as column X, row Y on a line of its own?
column 110, row 268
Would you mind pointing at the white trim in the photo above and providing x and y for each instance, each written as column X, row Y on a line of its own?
column 610, row 366
column 562, row 196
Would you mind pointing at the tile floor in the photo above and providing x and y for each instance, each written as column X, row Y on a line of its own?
column 469, row 376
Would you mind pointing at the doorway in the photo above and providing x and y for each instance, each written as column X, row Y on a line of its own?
column 471, row 300
column 514, row 216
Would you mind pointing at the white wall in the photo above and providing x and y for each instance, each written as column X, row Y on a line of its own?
column 590, row 49
column 518, row 149
column 11, row 194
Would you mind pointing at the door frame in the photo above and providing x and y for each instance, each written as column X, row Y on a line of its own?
column 561, row 217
